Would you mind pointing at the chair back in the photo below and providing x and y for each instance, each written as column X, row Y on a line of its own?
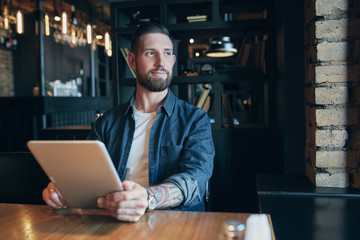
column 21, row 178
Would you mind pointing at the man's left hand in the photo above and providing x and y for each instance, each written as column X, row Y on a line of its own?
column 128, row 205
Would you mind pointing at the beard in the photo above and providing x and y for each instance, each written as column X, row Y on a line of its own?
column 154, row 84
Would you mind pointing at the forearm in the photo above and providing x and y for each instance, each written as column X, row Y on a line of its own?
column 165, row 195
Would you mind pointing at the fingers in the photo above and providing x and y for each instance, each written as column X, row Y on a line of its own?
column 128, row 185
column 127, row 205
column 130, row 210
column 123, row 204
column 61, row 198
column 132, row 190
column 52, row 197
column 126, row 210
column 133, row 215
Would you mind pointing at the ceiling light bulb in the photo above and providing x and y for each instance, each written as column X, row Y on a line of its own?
column 109, row 52
column 64, row 22
column 19, row 22
column 88, row 34
column 6, row 23
column 107, row 41
column 6, row 17
column 47, row 25
column 57, row 18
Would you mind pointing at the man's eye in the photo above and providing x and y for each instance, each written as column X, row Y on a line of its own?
column 150, row 53
column 168, row 53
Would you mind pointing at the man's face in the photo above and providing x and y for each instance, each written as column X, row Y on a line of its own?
column 154, row 61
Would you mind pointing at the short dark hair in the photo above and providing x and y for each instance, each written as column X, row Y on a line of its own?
column 149, row 27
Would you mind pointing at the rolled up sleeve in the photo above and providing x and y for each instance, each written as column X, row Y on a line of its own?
column 196, row 162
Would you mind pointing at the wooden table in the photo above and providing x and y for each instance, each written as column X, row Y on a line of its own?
column 21, row 221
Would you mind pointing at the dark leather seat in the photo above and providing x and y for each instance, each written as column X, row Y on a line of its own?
column 21, row 178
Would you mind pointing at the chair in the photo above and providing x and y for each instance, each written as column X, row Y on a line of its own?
column 21, row 178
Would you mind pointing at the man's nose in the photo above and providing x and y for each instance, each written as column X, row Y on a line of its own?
column 160, row 60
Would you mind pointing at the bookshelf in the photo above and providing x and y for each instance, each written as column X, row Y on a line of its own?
column 249, row 83
column 104, row 84
column 244, row 77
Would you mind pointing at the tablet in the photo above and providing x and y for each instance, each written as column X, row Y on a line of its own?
column 81, row 170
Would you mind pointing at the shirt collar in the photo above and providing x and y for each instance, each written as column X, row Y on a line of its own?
column 168, row 104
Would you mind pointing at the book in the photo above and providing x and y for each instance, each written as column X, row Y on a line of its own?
column 203, row 97
column 197, row 18
column 240, row 51
column 251, row 16
column 256, row 56
column 262, row 55
column 207, row 103
column 241, row 104
column 245, row 55
column 227, row 108
column 125, row 52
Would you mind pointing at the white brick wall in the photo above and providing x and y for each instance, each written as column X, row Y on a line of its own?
column 335, row 178
column 337, row 116
column 331, row 138
column 334, row 29
column 332, row 91
column 331, row 74
column 328, row 7
column 332, row 94
column 331, row 51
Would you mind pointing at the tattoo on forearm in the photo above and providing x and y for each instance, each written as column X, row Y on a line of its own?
column 166, row 195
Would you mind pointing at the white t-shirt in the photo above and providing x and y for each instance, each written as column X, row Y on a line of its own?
column 138, row 162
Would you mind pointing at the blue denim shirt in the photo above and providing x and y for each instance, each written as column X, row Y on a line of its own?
column 181, row 149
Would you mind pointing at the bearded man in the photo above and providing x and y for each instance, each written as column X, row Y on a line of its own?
column 161, row 146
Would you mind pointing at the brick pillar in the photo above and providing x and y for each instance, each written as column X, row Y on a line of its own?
column 6, row 73
column 332, row 94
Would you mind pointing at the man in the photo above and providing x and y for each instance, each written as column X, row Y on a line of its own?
column 161, row 146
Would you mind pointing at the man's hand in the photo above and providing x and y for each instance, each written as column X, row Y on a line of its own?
column 128, row 205
column 52, row 197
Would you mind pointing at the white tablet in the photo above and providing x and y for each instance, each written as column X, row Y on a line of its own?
column 81, row 170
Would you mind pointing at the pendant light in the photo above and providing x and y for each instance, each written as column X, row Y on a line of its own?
column 19, row 22
column 107, row 41
column 6, row 16
column 47, row 24
column 221, row 48
column 64, row 22
column 74, row 19
column 89, row 33
column 57, row 17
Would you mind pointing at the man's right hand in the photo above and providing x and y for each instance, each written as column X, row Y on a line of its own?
column 52, row 197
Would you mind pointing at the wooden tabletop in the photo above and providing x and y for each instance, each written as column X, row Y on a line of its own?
column 21, row 221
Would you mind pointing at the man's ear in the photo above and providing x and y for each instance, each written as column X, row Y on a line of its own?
column 132, row 60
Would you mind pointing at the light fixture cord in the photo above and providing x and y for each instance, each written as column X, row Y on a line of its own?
column 54, row 3
column 1, row 12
